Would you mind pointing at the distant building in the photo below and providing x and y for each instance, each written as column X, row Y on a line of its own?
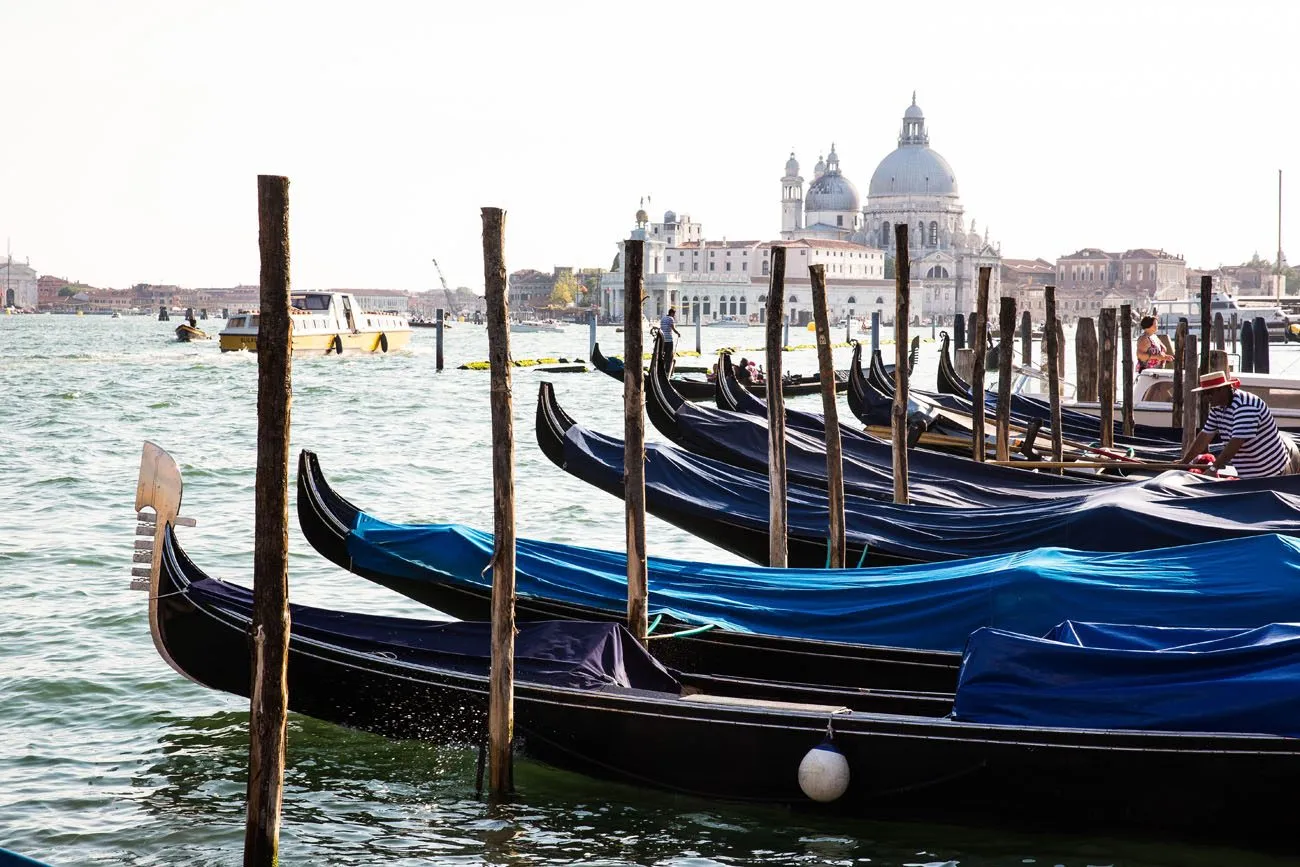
column 1023, row 280
column 18, row 285
column 1090, row 278
column 530, row 289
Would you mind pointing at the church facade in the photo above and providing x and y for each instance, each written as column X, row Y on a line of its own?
column 828, row 224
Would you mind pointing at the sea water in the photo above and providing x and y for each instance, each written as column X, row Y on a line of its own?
column 108, row 756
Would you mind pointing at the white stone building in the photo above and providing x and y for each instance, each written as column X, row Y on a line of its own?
column 17, row 285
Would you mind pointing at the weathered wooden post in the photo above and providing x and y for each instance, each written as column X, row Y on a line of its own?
column 971, row 334
column 959, row 331
column 1106, row 375
column 591, row 332
column 898, row 414
column 834, row 455
column 699, row 329
column 501, row 683
column 1006, row 334
column 1085, row 360
column 979, row 347
column 1218, row 333
column 1247, row 345
column 269, row 707
column 1126, row 365
column 1055, row 361
column 1207, row 287
column 1180, row 372
column 1261, row 345
column 438, row 320
column 875, row 331
column 1190, row 381
column 634, row 439
column 777, row 544
column 1026, row 339
column 1060, row 348
column 788, row 317
column 1232, row 329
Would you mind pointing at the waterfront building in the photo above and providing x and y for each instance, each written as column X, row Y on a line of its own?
column 828, row 224
column 1091, row 278
column 18, row 285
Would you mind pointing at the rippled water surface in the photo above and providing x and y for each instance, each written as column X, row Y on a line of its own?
column 107, row 756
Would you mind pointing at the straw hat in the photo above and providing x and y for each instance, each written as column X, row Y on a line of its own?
column 1216, row 379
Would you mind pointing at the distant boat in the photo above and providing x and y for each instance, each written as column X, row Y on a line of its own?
column 531, row 326
column 727, row 322
column 325, row 323
column 186, row 333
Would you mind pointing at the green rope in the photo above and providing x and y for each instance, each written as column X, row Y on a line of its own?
column 696, row 631
column 863, row 558
column 658, row 617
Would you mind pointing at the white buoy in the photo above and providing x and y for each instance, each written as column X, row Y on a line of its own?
column 824, row 773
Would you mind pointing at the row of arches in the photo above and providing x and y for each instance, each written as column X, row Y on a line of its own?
column 930, row 238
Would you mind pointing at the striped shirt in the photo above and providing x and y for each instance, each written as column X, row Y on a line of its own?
column 666, row 326
column 1248, row 418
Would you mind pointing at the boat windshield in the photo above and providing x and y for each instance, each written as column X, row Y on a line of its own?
column 311, row 302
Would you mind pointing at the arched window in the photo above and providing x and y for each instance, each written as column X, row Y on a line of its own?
column 920, row 233
column 744, row 305
column 885, row 239
column 706, row 305
column 793, row 300
column 765, row 268
column 938, row 272
column 934, row 234
column 695, row 309
column 734, row 308
column 880, row 299
column 852, row 300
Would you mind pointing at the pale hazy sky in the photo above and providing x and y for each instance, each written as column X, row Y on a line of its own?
column 133, row 131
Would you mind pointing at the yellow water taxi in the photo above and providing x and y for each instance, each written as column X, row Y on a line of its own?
column 324, row 323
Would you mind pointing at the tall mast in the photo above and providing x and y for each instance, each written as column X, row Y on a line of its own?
column 1277, row 267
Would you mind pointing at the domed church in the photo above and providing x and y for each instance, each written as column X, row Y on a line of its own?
column 914, row 185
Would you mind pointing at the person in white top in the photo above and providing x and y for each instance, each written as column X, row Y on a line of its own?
column 668, row 331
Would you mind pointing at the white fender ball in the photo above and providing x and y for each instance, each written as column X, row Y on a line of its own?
column 824, row 773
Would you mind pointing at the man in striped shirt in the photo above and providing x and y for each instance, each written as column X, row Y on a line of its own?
column 1255, row 447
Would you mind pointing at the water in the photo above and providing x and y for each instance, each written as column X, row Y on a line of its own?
column 107, row 756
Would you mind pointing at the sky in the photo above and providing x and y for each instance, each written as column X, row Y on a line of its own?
column 134, row 131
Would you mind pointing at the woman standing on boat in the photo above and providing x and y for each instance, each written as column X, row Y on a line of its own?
column 1150, row 351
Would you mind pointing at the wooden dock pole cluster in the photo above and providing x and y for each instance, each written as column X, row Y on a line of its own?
column 979, row 347
column 501, row 687
column 837, row 546
column 898, row 413
column 634, row 438
column 778, row 542
column 269, row 706
column 1052, row 349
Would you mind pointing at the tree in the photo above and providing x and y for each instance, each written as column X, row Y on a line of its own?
column 565, row 290
column 67, row 292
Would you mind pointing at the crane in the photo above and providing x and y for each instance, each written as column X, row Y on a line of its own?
column 451, row 299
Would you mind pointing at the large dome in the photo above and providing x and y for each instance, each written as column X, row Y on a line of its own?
column 913, row 170
column 832, row 192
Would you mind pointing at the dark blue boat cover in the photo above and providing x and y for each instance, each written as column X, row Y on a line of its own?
column 566, row 653
column 1174, row 509
column 1239, row 583
column 1097, row 675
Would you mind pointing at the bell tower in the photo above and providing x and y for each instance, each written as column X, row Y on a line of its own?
column 791, row 199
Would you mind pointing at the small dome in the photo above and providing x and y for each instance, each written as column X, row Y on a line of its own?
column 642, row 216
column 670, row 217
column 791, row 166
column 820, row 168
column 832, row 192
column 914, row 110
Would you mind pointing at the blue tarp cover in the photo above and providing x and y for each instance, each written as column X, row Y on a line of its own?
column 1174, row 509
column 1100, row 675
column 554, row 652
column 1239, row 583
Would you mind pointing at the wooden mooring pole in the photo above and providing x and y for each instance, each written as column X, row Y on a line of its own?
column 1051, row 349
column 1126, row 364
column 836, row 546
column 634, row 438
column 1085, row 360
column 1106, row 375
column 1006, row 333
column 1180, row 371
column 269, row 707
column 501, row 684
column 778, row 542
column 1026, row 339
column 979, row 347
column 1207, row 323
column 437, row 352
column 1190, row 382
column 898, row 413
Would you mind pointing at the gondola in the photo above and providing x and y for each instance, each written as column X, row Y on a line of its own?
column 639, row 723
column 728, row 506
column 457, row 588
column 702, row 389
column 867, row 465
column 1214, row 584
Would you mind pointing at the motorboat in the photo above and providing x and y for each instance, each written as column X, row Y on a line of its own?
column 186, row 333
column 324, row 323
column 536, row 326
column 727, row 322
column 1168, row 313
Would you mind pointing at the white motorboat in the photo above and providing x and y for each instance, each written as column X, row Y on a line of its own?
column 727, row 322
column 532, row 326
column 1169, row 312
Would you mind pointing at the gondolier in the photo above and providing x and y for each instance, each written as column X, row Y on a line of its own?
column 668, row 331
column 1255, row 447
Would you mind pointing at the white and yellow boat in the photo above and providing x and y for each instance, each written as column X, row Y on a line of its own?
column 324, row 323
